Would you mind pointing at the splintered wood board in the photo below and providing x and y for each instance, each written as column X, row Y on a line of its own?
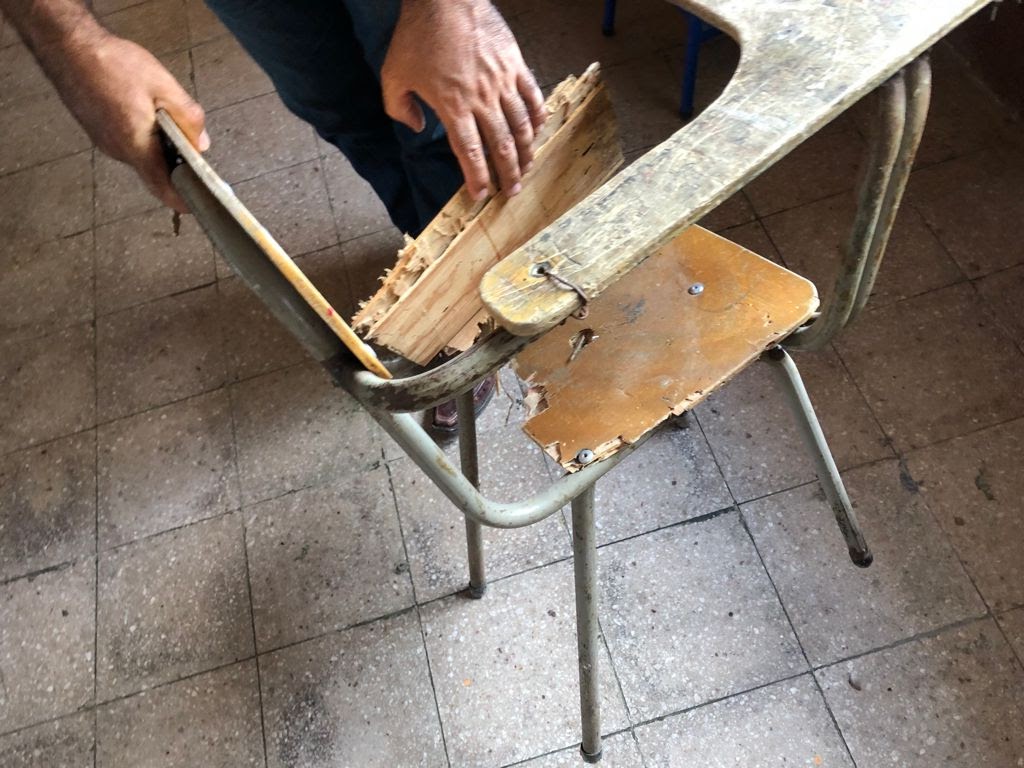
column 658, row 349
column 430, row 300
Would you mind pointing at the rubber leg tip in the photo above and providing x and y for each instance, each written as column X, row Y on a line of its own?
column 476, row 592
column 861, row 559
column 608, row 31
column 591, row 758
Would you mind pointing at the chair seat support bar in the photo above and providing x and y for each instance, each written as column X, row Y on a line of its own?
column 414, row 440
column 828, row 474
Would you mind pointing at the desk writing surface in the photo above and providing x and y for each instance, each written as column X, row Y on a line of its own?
column 802, row 63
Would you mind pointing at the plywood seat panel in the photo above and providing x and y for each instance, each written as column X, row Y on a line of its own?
column 658, row 349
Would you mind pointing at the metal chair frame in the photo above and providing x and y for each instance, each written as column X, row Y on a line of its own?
column 903, row 106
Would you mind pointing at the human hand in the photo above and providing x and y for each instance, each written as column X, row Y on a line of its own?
column 114, row 88
column 460, row 57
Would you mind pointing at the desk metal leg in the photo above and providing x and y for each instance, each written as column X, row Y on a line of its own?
column 468, row 458
column 584, row 549
column 814, row 438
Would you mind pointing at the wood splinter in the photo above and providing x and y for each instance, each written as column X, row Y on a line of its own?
column 430, row 301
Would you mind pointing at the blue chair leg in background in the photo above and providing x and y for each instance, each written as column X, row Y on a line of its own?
column 608, row 23
column 698, row 32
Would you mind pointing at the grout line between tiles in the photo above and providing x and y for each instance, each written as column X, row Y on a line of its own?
column 416, row 605
column 255, row 645
column 796, row 636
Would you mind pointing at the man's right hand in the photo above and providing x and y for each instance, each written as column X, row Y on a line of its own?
column 114, row 87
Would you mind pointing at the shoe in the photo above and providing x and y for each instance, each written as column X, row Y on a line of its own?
column 446, row 417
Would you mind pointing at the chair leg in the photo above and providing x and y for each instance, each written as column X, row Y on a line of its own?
column 608, row 22
column 584, row 550
column 694, row 39
column 470, row 468
column 814, row 438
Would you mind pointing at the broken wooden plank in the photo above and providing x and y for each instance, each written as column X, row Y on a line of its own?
column 430, row 300
column 650, row 347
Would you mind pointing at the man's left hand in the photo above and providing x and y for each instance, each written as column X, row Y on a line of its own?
column 460, row 57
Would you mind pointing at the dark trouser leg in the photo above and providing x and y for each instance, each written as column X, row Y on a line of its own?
column 313, row 50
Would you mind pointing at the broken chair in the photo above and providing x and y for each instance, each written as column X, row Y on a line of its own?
column 671, row 311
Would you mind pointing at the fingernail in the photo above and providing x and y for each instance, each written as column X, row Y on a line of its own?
column 204, row 141
column 527, row 167
column 515, row 189
column 480, row 194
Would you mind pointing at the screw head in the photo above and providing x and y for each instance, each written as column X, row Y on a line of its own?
column 586, row 456
column 696, row 289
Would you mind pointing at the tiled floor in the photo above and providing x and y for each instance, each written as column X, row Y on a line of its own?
column 210, row 557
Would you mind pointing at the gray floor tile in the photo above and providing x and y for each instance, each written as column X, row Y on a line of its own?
column 119, row 191
column 324, row 559
column 226, row 74
column 360, row 697
column 295, row 429
column 618, row 751
column 66, row 743
column 953, row 700
column 1001, row 292
column 66, row 187
column 256, row 342
column 753, row 237
column 203, row 24
column 292, row 204
column 559, row 39
column 46, row 287
column 915, row 585
column 47, row 387
column 968, row 203
column 924, row 385
column 691, row 616
column 167, row 467
column 159, row 26
column 211, row 720
column 974, row 485
column 255, row 137
column 46, row 644
column 645, row 93
column 153, row 354
column 511, row 469
column 755, row 436
column 20, row 74
column 47, row 505
column 357, row 210
column 1012, row 623
column 37, row 129
column 505, row 670
column 810, row 239
column 736, row 210
column 171, row 606
column 782, row 724
column 673, row 477
column 962, row 115
column 140, row 258
column 822, row 166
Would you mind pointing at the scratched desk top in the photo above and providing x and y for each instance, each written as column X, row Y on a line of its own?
column 802, row 63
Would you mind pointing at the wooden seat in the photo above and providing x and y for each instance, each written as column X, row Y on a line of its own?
column 663, row 338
